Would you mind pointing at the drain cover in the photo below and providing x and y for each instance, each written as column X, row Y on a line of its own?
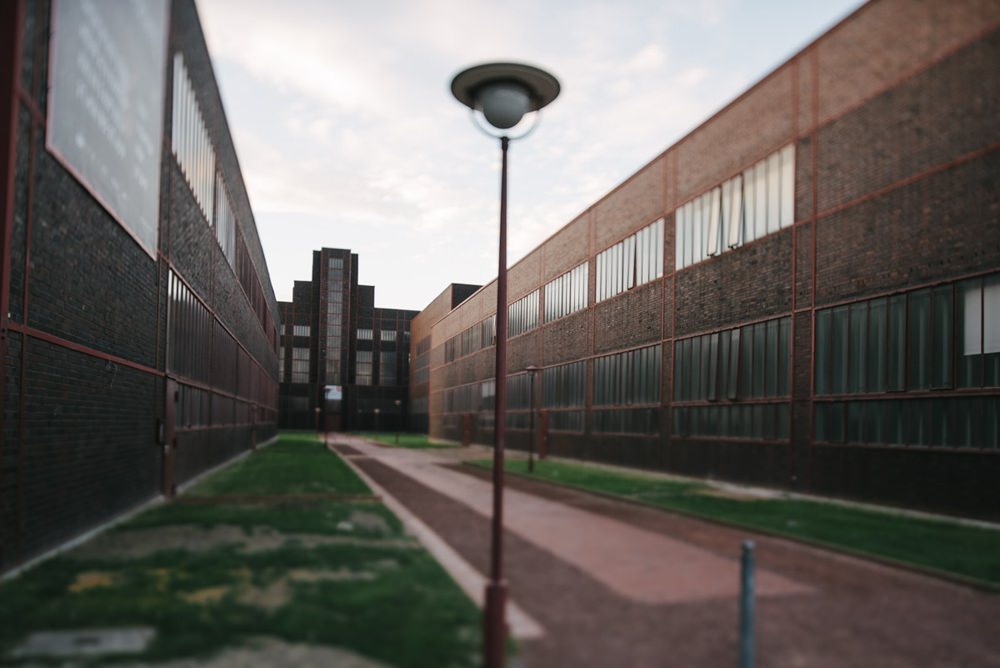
column 86, row 642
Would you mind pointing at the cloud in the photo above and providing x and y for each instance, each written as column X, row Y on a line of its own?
column 348, row 136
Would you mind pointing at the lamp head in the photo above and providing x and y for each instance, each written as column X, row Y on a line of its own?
column 504, row 92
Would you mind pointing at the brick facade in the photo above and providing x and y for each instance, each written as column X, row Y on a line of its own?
column 892, row 119
column 88, row 347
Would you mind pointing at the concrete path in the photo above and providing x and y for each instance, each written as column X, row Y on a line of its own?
column 608, row 583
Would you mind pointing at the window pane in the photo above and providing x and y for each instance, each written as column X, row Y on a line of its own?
column 714, row 222
column 991, row 331
column 824, row 348
column 734, row 360
column 771, row 360
column 784, row 355
column 918, row 340
column 696, row 368
column 838, row 357
column 788, row 185
column 712, row 366
column 875, row 350
column 736, row 212
column 896, row 349
column 749, row 206
column 746, row 361
column 759, row 359
column 773, row 192
column 760, row 198
column 943, row 350
column 858, row 341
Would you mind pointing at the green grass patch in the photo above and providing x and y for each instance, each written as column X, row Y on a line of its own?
column 212, row 576
column 405, row 440
column 966, row 551
column 296, row 464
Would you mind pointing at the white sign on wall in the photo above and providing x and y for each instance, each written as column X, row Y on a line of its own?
column 105, row 112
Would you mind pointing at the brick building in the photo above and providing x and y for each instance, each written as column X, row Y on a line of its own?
column 344, row 363
column 803, row 292
column 138, row 317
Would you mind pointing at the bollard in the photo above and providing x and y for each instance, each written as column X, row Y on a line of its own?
column 747, row 633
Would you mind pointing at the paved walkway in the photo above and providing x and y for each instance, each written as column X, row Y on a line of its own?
column 596, row 582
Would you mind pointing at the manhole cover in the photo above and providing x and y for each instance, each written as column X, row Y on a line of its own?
column 86, row 642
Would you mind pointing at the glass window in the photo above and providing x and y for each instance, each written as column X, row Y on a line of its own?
column 918, row 343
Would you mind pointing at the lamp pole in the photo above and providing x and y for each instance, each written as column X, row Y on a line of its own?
column 532, row 370
column 502, row 93
column 399, row 417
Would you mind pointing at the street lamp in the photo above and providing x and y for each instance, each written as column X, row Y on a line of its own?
column 399, row 417
column 502, row 93
column 532, row 370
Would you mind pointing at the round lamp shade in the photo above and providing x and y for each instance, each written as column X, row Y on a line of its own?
column 504, row 92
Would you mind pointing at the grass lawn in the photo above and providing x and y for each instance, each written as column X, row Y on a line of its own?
column 221, row 574
column 967, row 551
column 406, row 440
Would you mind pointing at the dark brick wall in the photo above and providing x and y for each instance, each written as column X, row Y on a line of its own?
column 89, row 281
column 934, row 229
column 748, row 284
column 893, row 116
column 929, row 120
column 89, row 447
column 84, row 449
column 563, row 339
column 640, row 308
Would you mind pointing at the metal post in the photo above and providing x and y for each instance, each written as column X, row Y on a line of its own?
column 747, row 612
column 495, row 624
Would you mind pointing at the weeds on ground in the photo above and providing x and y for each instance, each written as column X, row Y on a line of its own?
column 210, row 576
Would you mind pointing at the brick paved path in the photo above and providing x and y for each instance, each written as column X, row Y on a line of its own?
column 613, row 584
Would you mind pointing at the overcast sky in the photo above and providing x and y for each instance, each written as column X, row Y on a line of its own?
column 348, row 136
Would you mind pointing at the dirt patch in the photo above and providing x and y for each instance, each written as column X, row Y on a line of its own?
column 273, row 652
column 92, row 580
column 369, row 521
column 144, row 542
column 207, row 595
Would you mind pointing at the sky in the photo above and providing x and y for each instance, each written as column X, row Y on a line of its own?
column 348, row 136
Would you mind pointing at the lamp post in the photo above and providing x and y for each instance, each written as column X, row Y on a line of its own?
column 502, row 93
column 532, row 370
column 377, row 411
column 399, row 417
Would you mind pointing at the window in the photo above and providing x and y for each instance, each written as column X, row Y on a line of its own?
column 522, row 315
column 364, row 335
column 225, row 221
column 758, row 202
column 633, row 261
column 387, row 368
column 949, row 421
column 388, row 335
column 363, row 367
column 489, row 331
column 301, row 330
column 189, row 332
column 566, row 294
column 626, row 378
column 907, row 341
column 564, row 387
column 938, row 338
column 190, row 141
column 749, row 362
column 300, row 365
